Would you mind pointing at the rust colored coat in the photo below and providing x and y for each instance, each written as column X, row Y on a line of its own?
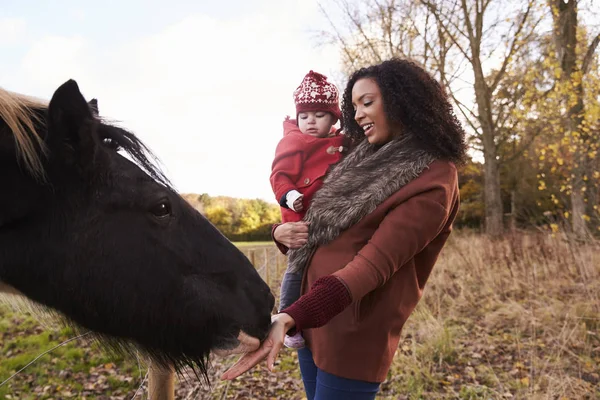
column 385, row 260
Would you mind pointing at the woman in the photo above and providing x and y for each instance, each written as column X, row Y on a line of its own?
column 372, row 234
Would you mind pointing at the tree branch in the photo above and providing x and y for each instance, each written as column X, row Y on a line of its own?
column 438, row 17
column 523, row 147
column 587, row 60
column 485, row 6
column 387, row 20
column 461, row 108
column 340, row 38
column 358, row 25
column 425, row 55
column 470, row 31
column 513, row 48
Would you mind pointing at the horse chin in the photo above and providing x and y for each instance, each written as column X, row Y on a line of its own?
column 243, row 344
column 4, row 288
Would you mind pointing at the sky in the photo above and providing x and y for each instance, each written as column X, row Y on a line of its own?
column 206, row 85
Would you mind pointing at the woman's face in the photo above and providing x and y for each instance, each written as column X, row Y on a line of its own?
column 369, row 112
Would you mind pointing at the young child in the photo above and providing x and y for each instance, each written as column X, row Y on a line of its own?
column 309, row 146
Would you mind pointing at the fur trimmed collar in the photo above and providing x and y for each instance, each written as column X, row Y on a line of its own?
column 354, row 187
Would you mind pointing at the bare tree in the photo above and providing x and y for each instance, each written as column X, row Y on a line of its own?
column 469, row 45
column 376, row 30
column 479, row 29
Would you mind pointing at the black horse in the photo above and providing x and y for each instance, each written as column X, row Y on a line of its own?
column 103, row 238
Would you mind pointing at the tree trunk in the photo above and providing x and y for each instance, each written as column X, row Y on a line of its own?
column 579, row 189
column 493, row 199
column 513, row 210
column 565, row 31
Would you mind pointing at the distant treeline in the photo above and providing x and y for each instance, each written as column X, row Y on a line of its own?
column 252, row 219
column 237, row 219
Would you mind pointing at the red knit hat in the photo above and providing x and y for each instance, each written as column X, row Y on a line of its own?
column 316, row 94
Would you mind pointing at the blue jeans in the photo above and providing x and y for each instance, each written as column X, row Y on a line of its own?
column 320, row 385
column 290, row 289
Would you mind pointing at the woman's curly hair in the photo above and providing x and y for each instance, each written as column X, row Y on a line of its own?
column 413, row 101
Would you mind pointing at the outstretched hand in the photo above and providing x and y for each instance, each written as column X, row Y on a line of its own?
column 269, row 349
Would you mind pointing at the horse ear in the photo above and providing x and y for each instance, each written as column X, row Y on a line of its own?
column 68, row 119
column 93, row 103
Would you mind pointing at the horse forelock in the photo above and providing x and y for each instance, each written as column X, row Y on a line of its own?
column 18, row 112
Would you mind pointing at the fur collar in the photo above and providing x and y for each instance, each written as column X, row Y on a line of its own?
column 354, row 187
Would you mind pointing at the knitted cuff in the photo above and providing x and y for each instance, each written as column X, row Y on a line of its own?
column 327, row 297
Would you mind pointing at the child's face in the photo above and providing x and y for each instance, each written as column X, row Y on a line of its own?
column 315, row 123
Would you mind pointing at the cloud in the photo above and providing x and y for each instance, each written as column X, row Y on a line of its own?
column 11, row 30
column 53, row 60
column 207, row 95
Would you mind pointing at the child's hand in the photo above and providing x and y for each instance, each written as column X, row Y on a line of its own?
column 298, row 207
column 293, row 199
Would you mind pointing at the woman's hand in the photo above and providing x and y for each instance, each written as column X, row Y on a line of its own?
column 280, row 324
column 292, row 234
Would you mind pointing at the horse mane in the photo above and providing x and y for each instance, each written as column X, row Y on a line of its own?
column 18, row 112
column 136, row 149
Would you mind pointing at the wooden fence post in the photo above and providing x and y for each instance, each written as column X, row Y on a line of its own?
column 161, row 383
column 280, row 262
column 267, row 278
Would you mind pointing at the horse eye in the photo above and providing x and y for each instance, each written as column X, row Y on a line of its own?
column 111, row 143
column 162, row 209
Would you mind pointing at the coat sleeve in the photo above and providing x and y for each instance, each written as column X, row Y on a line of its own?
column 404, row 232
column 287, row 166
column 282, row 248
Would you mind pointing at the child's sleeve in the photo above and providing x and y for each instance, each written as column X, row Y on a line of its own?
column 286, row 168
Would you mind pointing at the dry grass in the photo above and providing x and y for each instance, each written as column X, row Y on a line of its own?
column 516, row 318
column 512, row 318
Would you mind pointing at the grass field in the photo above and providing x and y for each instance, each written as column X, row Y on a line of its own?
column 516, row 318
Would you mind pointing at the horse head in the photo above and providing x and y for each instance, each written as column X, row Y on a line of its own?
column 89, row 227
